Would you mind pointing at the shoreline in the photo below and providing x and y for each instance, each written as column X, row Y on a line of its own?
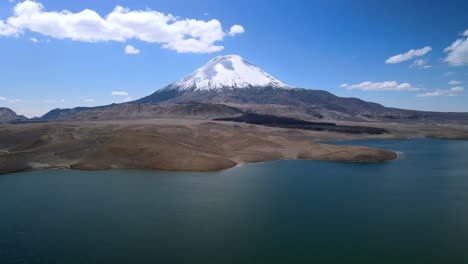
column 238, row 164
column 68, row 168
column 180, row 145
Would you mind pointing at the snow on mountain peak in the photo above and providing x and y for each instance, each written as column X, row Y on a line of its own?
column 231, row 71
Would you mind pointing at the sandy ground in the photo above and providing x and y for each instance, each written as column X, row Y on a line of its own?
column 187, row 144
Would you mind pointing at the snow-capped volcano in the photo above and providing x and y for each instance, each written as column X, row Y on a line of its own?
column 231, row 71
column 228, row 86
column 232, row 81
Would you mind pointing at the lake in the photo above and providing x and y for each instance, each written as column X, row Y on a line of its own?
column 413, row 210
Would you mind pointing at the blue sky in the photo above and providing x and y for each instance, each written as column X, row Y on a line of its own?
column 338, row 46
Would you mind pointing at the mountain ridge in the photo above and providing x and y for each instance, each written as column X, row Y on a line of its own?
column 7, row 115
column 238, row 84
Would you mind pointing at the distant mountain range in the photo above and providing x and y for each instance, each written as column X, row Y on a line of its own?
column 230, row 86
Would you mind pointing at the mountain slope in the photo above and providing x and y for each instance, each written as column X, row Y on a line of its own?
column 313, row 100
column 235, row 83
column 232, row 80
column 145, row 111
column 8, row 115
column 222, row 86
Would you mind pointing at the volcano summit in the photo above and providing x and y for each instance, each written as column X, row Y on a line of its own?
column 231, row 71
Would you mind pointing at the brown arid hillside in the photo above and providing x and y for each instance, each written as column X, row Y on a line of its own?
column 167, row 144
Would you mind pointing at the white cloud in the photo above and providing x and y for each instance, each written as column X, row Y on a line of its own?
column 420, row 64
column 454, row 82
column 192, row 46
column 437, row 93
column 90, row 100
column 129, row 49
column 457, row 53
column 2, row 98
column 434, row 93
column 236, row 29
column 36, row 40
column 7, row 30
column 380, row 86
column 450, row 92
column 408, row 55
column 122, row 24
column 119, row 93
column 394, row 86
column 126, row 98
column 466, row 33
column 457, row 89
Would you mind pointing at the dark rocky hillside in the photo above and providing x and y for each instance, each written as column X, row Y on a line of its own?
column 292, row 123
column 7, row 115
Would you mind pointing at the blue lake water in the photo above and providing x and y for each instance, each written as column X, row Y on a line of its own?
column 413, row 210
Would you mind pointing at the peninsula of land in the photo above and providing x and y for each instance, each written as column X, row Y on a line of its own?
column 187, row 144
